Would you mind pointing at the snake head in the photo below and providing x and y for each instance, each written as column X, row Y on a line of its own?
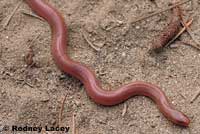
column 180, row 119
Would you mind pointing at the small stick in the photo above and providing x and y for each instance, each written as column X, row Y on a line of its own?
column 190, row 44
column 24, row 82
column 124, row 110
column 187, row 28
column 183, row 96
column 31, row 15
column 180, row 32
column 189, row 32
column 28, row 84
column 90, row 43
column 61, row 110
column 161, row 11
column 34, row 39
column 195, row 97
column 12, row 14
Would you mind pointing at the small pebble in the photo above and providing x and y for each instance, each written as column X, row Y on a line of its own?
column 137, row 27
column 123, row 54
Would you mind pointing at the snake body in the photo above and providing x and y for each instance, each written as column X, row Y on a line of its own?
column 87, row 76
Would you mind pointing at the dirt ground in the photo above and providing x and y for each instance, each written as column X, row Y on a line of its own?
column 33, row 95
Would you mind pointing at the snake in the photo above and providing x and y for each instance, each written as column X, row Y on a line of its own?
column 87, row 76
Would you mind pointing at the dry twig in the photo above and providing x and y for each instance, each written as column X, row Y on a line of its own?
column 160, row 11
column 11, row 15
column 190, row 32
column 90, row 43
column 190, row 44
column 24, row 82
column 195, row 97
column 31, row 15
column 61, row 111
column 124, row 110
column 180, row 32
column 187, row 28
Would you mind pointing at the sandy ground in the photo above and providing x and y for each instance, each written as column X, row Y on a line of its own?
column 32, row 96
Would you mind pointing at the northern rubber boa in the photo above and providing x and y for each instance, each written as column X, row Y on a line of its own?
column 87, row 76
